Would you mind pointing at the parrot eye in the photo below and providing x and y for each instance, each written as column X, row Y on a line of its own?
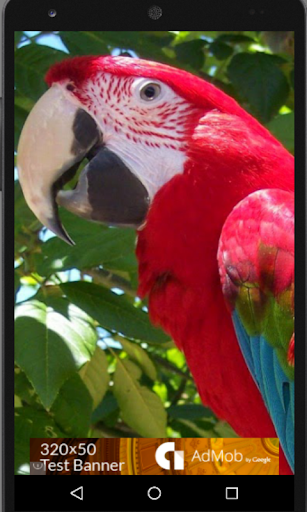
column 150, row 91
column 70, row 87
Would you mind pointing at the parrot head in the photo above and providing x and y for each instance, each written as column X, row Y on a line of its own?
column 129, row 119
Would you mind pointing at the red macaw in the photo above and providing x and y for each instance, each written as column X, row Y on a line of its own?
column 210, row 191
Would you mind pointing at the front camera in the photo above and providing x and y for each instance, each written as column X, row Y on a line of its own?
column 154, row 12
column 52, row 13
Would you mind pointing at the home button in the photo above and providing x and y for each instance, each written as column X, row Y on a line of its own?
column 154, row 493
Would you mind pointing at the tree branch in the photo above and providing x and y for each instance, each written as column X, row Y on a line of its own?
column 180, row 390
column 109, row 280
column 169, row 366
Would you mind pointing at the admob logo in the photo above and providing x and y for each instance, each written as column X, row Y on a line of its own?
column 165, row 448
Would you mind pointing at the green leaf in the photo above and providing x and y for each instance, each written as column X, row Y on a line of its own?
column 31, row 64
column 258, row 79
column 224, row 430
column 29, row 423
column 176, row 356
column 16, row 283
column 140, row 357
column 24, row 390
column 141, row 409
column 23, row 102
column 72, row 408
column 189, row 412
column 20, row 116
column 188, row 428
column 24, row 218
column 95, row 376
column 113, row 312
column 83, row 323
column 95, row 245
column 49, row 348
column 235, row 38
column 282, row 127
column 17, row 37
column 145, row 44
column 221, row 51
column 209, row 34
column 107, row 411
column 191, row 53
column 84, row 43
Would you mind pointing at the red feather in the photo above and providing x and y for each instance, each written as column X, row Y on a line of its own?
column 177, row 253
column 230, row 156
column 192, row 88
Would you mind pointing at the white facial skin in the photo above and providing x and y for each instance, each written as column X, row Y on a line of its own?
column 147, row 133
column 143, row 121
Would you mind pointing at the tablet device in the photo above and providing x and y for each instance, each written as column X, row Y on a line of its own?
column 148, row 179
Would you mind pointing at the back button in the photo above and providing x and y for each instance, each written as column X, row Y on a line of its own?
column 78, row 493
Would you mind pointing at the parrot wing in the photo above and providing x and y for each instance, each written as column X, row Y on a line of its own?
column 256, row 265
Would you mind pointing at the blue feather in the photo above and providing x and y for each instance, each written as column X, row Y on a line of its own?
column 275, row 387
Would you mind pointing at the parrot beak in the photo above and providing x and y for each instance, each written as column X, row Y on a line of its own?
column 56, row 137
column 51, row 144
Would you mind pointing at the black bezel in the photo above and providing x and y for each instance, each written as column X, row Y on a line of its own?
column 132, row 15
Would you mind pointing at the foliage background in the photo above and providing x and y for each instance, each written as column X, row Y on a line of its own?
column 87, row 360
